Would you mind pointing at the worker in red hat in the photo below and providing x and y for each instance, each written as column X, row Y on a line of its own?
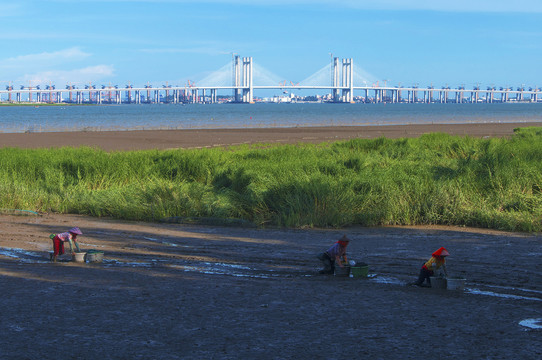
column 336, row 254
column 437, row 261
column 69, row 236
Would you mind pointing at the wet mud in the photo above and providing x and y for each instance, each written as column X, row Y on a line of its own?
column 169, row 291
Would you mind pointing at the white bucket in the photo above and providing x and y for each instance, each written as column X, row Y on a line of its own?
column 438, row 282
column 456, row 284
column 79, row 256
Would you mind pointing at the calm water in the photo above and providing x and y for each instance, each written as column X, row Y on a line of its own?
column 196, row 116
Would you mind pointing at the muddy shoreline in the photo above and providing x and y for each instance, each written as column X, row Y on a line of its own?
column 170, row 139
column 170, row 291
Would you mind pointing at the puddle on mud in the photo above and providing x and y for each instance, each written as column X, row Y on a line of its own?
column 236, row 270
column 166, row 242
column 532, row 323
column 23, row 255
column 216, row 269
column 501, row 295
column 385, row 280
column 513, row 288
column 117, row 263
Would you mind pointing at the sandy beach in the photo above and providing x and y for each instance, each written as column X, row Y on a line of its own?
column 171, row 139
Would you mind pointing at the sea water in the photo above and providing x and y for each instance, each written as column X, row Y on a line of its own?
column 16, row 119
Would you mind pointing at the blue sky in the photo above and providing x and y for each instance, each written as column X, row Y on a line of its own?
column 157, row 41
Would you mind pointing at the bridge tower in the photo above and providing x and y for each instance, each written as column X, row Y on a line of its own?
column 346, row 84
column 335, row 80
column 348, row 81
column 242, row 79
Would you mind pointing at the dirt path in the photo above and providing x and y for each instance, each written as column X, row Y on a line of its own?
column 169, row 291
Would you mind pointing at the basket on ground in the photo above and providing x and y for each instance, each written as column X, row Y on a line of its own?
column 359, row 271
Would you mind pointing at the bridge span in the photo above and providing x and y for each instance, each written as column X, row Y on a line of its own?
column 341, row 90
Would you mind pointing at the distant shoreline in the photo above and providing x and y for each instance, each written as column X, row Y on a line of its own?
column 201, row 138
column 43, row 104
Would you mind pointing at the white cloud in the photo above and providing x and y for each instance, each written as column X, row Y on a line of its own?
column 90, row 74
column 44, row 59
column 42, row 68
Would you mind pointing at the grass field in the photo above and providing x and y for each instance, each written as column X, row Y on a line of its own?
column 434, row 179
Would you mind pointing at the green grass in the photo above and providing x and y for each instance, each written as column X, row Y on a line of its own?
column 435, row 179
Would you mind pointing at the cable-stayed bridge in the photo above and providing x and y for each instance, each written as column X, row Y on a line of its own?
column 242, row 78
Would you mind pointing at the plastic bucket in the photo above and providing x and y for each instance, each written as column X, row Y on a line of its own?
column 79, row 256
column 342, row 271
column 95, row 256
column 456, row 284
column 438, row 282
column 359, row 271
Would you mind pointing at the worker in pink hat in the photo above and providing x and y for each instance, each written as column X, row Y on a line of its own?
column 59, row 239
column 437, row 261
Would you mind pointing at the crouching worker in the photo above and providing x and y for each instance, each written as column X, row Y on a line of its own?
column 335, row 254
column 438, row 260
column 59, row 239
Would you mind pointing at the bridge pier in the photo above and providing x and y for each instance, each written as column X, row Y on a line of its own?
column 194, row 96
column 213, row 96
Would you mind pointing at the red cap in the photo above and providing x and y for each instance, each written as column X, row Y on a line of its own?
column 441, row 252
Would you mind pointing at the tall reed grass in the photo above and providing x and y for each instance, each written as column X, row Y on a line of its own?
column 435, row 179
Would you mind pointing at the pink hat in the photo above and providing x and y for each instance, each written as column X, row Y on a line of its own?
column 76, row 230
